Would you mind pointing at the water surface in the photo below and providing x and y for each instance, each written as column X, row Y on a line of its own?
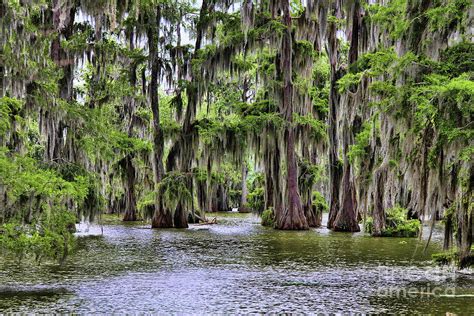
column 237, row 266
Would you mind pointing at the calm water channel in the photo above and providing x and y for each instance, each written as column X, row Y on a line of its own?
column 237, row 266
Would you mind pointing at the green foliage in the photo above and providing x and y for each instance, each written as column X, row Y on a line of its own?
column 50, row 237
column 229, row 32
column 80, row 39
column 309, row 174
column 348, row 81
column 275, row 26
column 244, row 63
column 174, row 188
column 23, row 176
column 360, row 150
column 447, row 15
column 438, row 98
column 373, row 65
column 397, row 224
column 333, row 19
column 391, row 16
column 235, row 196
column 437, row 94
column 446, row 257
column 318, row 200
column 320, row 91
column 467, row 153
column 316, row 127
column 381, row 61
column 453, row 257
column 256, row 196
column 257, row 123
column 9, row 112
column 369, row 224
column 146, row 203
column 202, row 55
column 296, row 8
column 383, row 88
column 256, row 199
column 268, row 218
column 304, row 48
column 457, row 59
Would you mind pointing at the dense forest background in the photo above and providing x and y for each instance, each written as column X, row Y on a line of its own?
column 167, row 109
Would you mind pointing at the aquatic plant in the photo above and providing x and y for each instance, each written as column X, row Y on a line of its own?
column 397, row 224
column 268, row 218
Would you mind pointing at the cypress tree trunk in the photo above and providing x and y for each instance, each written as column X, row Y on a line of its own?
column 129, row 168
column 58, row 54
column 186, row 140
column 289, row 215
column 346, row 218
column 335, row 167
column 161, row 218
column 313, row 215
column 158, row 142
column 221, row 199
column 243, row 208
column 271, row 170
column 243, row 200
column 379, row 211
column 465, row 223
column 180, row 218
column 130, row 199
column 51, row 125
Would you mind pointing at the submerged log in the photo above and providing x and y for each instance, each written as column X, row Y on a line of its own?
column 209, row 222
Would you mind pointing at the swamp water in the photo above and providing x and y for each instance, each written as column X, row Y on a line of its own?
column 237, row 266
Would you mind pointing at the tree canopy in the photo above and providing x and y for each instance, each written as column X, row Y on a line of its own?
column 167, row 109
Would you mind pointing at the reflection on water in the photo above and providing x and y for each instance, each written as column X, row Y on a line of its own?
column 236, row 266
